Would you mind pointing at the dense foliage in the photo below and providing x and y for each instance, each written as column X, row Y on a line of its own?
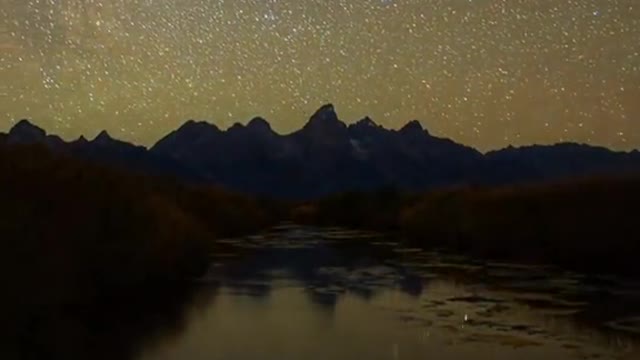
column 588, row 224
column 75, row 234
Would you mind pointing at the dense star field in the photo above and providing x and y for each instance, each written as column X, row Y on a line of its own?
column 484, row 72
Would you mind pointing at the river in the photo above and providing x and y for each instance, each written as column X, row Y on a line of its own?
column 310, row 293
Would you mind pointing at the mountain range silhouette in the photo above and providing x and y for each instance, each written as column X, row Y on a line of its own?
column 327, row 156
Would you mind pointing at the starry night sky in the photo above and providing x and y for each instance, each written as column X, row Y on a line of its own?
column 487, row 73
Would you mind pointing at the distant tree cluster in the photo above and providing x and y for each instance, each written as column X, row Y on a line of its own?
column 75, row 234
column 583, row 224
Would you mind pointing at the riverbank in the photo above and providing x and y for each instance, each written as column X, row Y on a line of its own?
column 587, row 225
column 77, row 235
column 78, row 238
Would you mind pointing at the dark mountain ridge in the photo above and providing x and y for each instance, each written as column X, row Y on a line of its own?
column 327, row 156
column 103, row 149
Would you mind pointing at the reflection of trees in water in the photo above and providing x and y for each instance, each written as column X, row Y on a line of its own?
column 352, row 273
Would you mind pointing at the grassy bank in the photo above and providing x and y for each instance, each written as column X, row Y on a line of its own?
column 587, row 225
column 78, row 236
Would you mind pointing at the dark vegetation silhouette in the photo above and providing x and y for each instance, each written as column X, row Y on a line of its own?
column 585, row 224
column 431, row 190
column 99, row 224
column 78, row 236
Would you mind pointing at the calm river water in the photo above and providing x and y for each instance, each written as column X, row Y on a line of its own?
column 308, row 293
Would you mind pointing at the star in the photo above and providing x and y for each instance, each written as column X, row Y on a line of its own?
column 487, row 73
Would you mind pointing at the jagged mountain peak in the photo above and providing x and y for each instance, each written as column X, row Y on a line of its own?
column 103, row 137
column 23, row 123
column 414, row 127
column 328, row 156
column 189, row 133
column 259, row 123
column 367, row 129
column 255, row 125
column 326, row 113
column 24, row 132
column 198, row 125
column 324, row 122
column 24, row 128
column 328, row 107
column 81, row 140
column 366, row 121
column 235, row 127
